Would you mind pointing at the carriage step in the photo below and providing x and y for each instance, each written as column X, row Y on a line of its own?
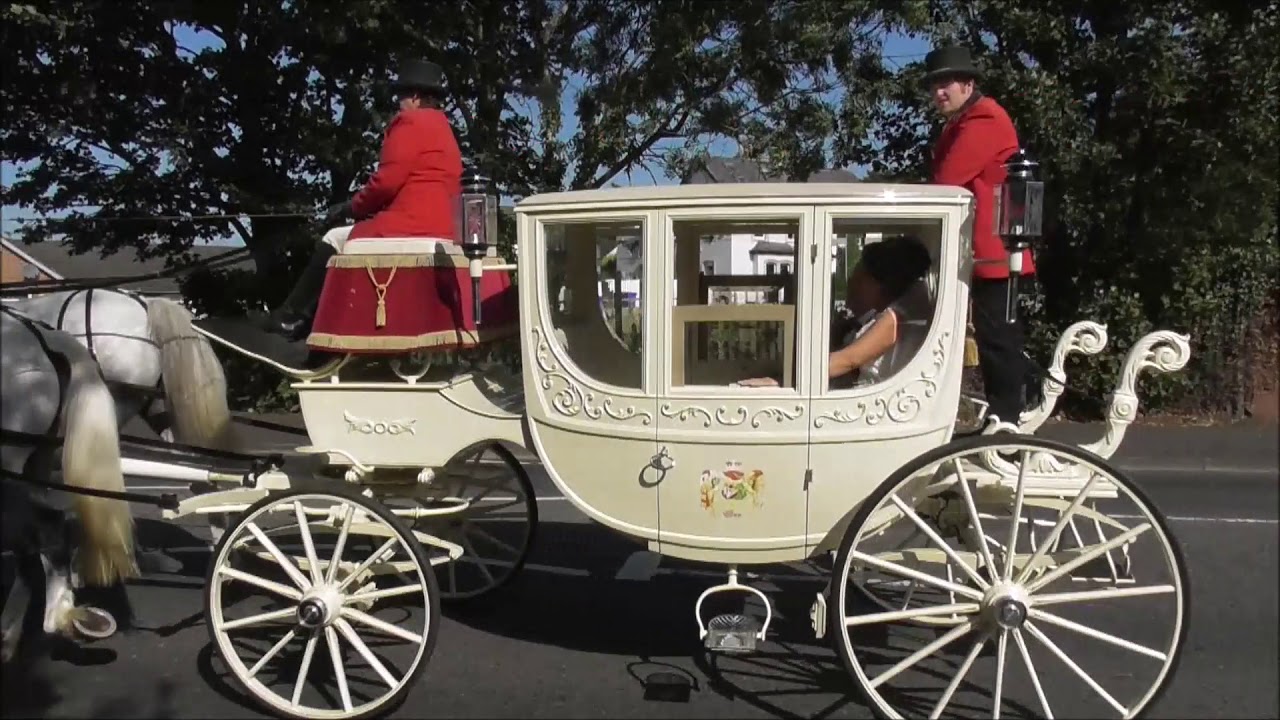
column 732, row 634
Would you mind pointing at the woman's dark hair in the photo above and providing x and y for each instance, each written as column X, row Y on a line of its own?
column 896, row 262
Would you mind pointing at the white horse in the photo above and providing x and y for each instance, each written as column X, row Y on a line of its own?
column 147, row 348
column 51, row 394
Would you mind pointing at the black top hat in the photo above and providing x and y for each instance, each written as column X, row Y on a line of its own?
column 949, row 61
column 420, row 75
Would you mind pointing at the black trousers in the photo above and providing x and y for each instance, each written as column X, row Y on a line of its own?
column 1006, row 374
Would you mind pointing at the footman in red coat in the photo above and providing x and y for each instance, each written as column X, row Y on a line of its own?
column 976, row 141
column 413, row 193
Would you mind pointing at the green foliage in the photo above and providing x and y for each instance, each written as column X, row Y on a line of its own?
column 1154, row 121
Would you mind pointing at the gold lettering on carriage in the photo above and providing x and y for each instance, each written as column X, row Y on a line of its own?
column 380, row 427
column 572, row 400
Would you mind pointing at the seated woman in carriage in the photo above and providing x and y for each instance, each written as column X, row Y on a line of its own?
column 406, row 231
column 881, row 297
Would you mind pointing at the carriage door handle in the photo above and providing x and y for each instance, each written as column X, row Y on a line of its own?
column 662, row 461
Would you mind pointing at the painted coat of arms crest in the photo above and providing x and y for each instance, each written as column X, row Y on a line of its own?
column 729, row 491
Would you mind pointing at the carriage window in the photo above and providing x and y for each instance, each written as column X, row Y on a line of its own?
column 594, row 284
column 856, row 298
column 738, row 322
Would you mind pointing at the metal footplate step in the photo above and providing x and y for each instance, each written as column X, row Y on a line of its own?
column 733, row 633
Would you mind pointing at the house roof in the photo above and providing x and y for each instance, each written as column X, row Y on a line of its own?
column 57, row 260
column 765, row 247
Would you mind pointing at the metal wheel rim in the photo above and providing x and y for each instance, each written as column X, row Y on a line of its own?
column 321, row 650
column 1013, row 650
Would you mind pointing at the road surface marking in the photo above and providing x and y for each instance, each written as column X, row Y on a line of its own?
column 1195, row 519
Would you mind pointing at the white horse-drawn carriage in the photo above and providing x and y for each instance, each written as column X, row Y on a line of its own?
column 640, row 310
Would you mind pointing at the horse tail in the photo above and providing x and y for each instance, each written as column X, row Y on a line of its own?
column 195, row 385
column 91, row 460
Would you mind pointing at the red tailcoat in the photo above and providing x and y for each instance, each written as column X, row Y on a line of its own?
column 414, row 192
column 971, row 153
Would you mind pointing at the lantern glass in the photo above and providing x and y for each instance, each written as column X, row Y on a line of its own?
column 1019, row 209
column 479, row 219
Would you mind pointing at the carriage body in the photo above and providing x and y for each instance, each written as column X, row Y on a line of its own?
column 638, row 315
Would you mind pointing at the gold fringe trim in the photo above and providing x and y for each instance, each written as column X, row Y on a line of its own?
column 464, row 338
column 378, row 262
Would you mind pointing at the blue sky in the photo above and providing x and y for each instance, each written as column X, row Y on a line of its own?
column 898, row 49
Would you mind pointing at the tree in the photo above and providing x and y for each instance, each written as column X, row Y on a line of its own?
column 1155, row 122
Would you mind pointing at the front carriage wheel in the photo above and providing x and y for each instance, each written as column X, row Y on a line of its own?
column 1010, row 575
column 308, row 623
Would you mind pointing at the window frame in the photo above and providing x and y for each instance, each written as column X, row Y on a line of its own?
column 804, row 215
column 648, row 220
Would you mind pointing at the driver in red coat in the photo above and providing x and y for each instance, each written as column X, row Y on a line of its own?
column 976, row 140
column 412, row 194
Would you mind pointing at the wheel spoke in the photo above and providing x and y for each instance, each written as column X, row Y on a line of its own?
column 275, row 650
column 1001, row 646
column 257, row 619
column 1103, row 594
column 914, row 575
column 937, row 540
column 896, row 615
column 265, row 584
column 976, row 521
column 332, row 571
column 920, row 654
column 368, row 563
column 290, row 568
column 386, row 593
column 955, row 681
column 339, row 672
column 488, row 536
column 1066, row 659
column 308, row 543
column 376, row 624
column 1012, row 547
column 305, row 668
column 1082, row 558
column 466, row 543
column 349, row 633
column 1057, row 529
column 1031, row 671
column 1095, row 634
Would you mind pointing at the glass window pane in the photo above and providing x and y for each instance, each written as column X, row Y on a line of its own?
column 738, row 322
column 595, row 289
column 859, row 295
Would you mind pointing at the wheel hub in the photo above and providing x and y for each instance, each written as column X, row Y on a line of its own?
column 311, row 613
column 1009, row 613
column 1005, row 606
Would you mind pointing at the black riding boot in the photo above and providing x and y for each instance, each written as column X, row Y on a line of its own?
column 293, row 318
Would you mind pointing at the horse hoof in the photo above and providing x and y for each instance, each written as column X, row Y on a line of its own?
column 94, row 623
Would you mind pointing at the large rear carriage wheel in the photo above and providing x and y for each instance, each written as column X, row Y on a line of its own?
column 1002, row 607
column 309, row 622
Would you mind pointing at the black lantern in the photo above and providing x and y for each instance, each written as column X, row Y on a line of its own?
column 1019, row 213
column 478, row 217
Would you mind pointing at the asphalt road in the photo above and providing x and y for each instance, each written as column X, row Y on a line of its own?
column 537, row 652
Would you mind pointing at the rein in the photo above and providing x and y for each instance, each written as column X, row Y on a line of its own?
column 166, row 501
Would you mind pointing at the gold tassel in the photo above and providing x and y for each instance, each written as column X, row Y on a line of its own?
column 380, row 317
column 970, row 352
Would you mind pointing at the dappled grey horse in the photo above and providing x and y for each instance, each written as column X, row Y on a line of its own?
column 51, row 396
column 151, row 357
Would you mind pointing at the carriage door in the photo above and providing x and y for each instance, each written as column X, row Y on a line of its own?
column 589, row 356
column 734, row 290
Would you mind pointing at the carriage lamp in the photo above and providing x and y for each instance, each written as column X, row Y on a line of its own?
column 1019, row 210
column 479, row 220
